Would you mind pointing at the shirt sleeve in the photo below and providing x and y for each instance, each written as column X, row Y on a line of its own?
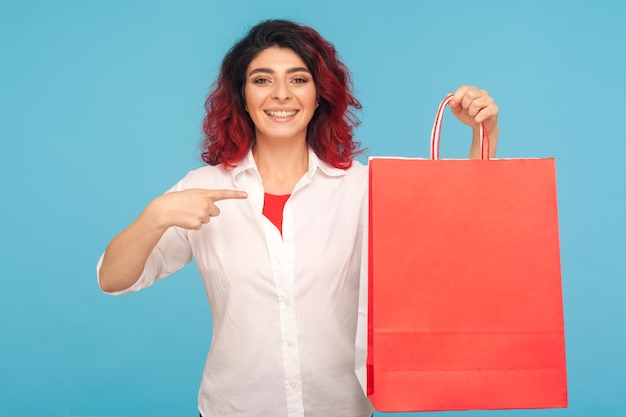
column 360, row 351
column 170, row 254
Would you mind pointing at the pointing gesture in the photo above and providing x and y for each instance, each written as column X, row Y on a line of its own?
column 189, row 209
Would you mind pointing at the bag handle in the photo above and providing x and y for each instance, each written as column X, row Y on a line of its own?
column 435, row 137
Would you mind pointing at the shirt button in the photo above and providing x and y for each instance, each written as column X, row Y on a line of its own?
column 289, row 343
column 287, row 302
column 294, row 385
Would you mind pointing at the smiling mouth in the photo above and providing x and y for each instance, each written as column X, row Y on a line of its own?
column 281, row 114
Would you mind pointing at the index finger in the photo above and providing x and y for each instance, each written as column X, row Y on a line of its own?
column 217, row 195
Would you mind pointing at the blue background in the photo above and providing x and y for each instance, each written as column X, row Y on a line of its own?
column 101, row 104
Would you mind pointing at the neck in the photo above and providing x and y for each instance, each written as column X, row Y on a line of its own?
column 281, row 165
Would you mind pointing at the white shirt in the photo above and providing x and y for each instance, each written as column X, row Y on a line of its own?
column 284, row 308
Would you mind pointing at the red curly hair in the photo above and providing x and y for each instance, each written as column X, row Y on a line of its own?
column 229, row 132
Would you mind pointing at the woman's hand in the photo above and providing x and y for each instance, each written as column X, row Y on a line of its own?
column 189, row 209
column 473, row 107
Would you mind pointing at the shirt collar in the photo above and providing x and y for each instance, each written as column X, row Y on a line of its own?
column 248, row 163
column 315, row 163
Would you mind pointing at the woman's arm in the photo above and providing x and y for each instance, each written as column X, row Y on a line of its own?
column 126, row 255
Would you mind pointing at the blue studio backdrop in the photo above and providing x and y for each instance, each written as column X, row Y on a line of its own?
column 101, row 104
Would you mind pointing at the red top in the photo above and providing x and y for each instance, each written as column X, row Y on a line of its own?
column 273, row 209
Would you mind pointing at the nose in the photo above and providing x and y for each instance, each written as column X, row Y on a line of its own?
column 281, row 90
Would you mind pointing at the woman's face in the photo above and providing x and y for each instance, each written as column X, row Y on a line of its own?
column 280, row 95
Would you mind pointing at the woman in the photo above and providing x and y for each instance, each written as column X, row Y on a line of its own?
column 281, row 262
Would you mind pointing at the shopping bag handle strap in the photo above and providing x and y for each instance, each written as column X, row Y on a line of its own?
column 435, row 137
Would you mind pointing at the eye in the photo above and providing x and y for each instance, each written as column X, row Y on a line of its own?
column 260, row 81
column 300, row 80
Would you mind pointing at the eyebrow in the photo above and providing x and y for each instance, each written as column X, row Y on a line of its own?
column 271, row 71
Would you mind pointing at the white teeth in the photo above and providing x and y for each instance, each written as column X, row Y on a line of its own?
column 281, row 114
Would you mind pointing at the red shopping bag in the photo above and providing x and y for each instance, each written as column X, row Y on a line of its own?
column 464, row 293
